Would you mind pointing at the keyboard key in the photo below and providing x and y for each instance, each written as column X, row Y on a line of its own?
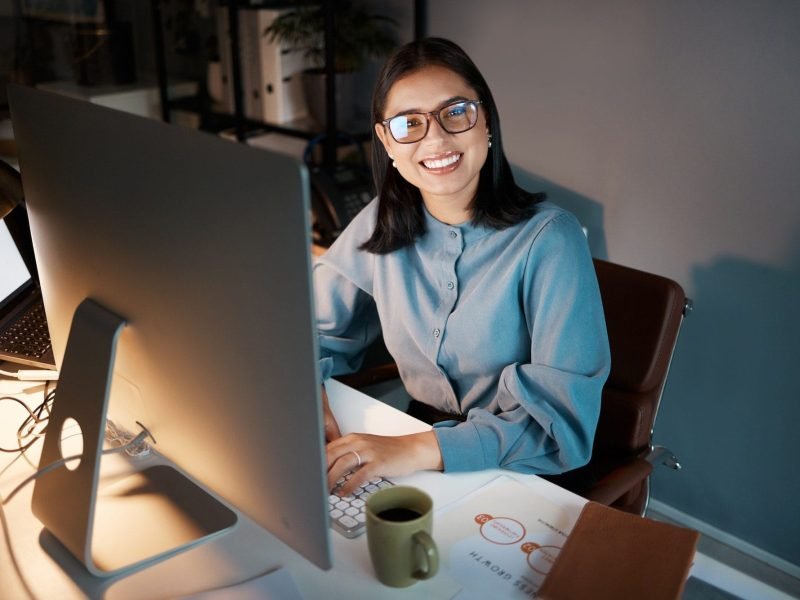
column 347, row 513
column 348, row 521
column 28, row 334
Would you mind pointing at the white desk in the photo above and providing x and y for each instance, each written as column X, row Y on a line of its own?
column 29, row 554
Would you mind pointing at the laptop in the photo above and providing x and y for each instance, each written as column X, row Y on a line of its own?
column 24, row 335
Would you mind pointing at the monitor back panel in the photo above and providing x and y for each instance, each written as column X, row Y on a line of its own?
column 202, row 245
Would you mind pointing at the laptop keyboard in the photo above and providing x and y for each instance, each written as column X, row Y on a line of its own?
column 348, row 513
column 28, row 335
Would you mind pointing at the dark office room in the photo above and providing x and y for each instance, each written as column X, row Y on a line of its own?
column 663, row 136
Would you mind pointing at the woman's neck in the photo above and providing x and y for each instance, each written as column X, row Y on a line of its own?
column 447, row 209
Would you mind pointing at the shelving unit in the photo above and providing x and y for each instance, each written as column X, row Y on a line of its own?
column 237, row 120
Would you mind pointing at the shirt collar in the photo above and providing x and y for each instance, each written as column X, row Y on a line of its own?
column 438, row 232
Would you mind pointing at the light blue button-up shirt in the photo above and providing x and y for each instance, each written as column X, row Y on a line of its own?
column 504, row 326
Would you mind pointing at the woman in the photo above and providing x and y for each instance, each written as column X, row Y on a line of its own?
column 485, row 294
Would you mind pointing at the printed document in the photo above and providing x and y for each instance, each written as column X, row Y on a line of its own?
column 500, row 540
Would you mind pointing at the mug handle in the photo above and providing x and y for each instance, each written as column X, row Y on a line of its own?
column 422, row 539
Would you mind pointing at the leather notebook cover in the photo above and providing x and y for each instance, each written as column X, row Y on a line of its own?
column 614, row 554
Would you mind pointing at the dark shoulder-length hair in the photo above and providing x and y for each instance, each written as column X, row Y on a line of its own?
column 499, row 202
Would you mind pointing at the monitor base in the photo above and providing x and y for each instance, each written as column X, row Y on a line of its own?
column 129, row 522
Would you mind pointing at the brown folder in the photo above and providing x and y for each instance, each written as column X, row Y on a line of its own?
column 612, row 554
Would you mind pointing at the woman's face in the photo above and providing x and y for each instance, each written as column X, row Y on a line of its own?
column 444, row 166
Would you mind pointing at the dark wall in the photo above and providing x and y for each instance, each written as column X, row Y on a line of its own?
column 670, row 128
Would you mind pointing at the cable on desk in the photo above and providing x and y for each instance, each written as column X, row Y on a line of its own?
column 125, row 441
column 31, row 375
column 138, row 440
column 27, row 433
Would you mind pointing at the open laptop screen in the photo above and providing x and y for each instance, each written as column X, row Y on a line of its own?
column 13, row 272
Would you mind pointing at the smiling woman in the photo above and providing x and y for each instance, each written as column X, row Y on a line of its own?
column 485, row 294
column 445, row 167
column 500, row 202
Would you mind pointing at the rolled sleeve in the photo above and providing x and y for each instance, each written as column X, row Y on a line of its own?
column 347, row 321
column 347, row 318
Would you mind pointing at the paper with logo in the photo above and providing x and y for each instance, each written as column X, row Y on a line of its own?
column 500, row 541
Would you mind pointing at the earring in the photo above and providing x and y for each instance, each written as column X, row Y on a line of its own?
column 394, row 163
column 490, row 140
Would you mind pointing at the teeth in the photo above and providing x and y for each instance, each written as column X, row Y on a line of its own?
column 441, row 163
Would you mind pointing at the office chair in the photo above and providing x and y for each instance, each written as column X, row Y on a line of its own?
column 644, row 313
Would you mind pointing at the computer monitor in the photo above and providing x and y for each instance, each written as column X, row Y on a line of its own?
column 194, row 255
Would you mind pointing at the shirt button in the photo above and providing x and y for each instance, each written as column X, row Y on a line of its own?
column 450, row 285
column 436, row 332
column 453, row 234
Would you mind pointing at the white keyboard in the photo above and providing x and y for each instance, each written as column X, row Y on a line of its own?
column 348, row 513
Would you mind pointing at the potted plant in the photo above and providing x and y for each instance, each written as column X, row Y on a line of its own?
column 359, row 37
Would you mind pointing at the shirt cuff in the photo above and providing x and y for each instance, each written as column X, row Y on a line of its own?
column 461, row 447
column 325, row 367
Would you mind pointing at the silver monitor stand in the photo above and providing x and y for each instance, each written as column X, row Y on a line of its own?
column 134, row 521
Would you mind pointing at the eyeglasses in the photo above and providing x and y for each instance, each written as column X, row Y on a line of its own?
column 457, row 117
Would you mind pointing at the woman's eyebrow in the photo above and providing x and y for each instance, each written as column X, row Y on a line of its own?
column 441, row 105
column 452, row 100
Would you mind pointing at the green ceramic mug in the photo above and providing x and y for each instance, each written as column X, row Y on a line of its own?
column 399, row 526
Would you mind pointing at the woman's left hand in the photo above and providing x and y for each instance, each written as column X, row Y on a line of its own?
column 380, row 456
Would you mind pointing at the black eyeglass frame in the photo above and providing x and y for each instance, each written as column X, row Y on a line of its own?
column 436, row 115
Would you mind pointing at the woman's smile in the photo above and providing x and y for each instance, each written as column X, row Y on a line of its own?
column 445, row 163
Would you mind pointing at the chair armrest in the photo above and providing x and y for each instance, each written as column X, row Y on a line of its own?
column 614, row 484
column 659, row 455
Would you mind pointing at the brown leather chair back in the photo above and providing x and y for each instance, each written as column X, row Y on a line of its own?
column 643, row 316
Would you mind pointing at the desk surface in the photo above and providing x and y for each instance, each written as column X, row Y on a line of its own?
column 34, row 564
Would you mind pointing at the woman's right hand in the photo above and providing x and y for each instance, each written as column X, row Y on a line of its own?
column 331, row 426
column 370, row 456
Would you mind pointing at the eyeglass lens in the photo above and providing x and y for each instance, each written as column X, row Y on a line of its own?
column 454, row 118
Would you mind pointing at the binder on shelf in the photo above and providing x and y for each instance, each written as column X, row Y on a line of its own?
column 226, row 66
column 271, row 74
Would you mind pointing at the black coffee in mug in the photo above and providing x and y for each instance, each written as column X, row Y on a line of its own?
column 399, row 526
column 399, row 514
